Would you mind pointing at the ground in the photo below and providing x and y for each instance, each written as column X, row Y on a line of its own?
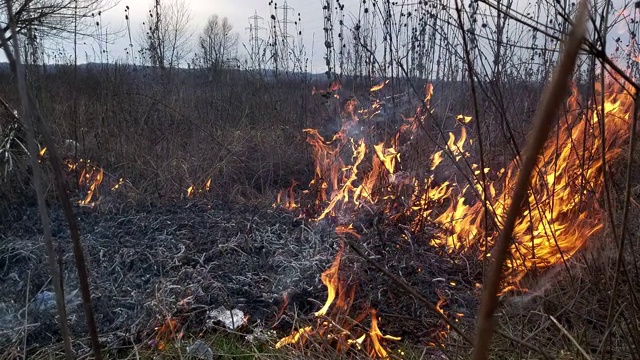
column 180, row 260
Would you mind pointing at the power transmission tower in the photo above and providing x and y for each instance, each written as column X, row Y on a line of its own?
column 254, row 35
column 285, row 36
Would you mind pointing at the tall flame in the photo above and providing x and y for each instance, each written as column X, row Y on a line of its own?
column 353, row 171
column 562, row 210
column 330, row 279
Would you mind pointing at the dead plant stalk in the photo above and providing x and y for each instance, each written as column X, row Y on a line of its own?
column 13, row 55
column 551, row 101
column 33, row 119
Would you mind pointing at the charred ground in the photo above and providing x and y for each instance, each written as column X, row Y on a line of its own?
column 145, row 260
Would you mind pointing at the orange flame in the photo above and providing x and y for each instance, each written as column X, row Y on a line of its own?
column 166, row 332
column 330, row 279
column 90, row 179
column 91, row 176
column 377, row 350
column 379, row 86
column 298, row 336
column 193, row 189
column 335, row 326
column 287, row 197
column 562, row 210
column 463, row 119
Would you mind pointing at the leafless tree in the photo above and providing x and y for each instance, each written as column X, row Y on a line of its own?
column 217, row 44
column 167, row 33
column 53, row 17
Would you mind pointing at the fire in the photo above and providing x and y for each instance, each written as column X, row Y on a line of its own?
column 330, row 279
column 90, row 179
column 287, row 198
column 376, row 337
column 562, row 211
column 333, row 323
column 354, row 170
column 379, row 86
column 464, row 119
column 166, row 332
column 193, row 189
column 443, row 334
column 298, row 336
column 348, row 170
column 118, row 184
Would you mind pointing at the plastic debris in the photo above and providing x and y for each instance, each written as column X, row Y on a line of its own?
column 232, row 319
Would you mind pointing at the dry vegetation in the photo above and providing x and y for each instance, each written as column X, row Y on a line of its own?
column 192, row 160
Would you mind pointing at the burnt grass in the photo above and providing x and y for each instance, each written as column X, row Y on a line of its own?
column 144, row 261
column 153, row 256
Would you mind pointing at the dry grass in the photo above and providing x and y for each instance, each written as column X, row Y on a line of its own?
column 164, row 133
column 245, row 133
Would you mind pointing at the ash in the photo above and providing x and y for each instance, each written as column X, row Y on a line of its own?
column 185, row 259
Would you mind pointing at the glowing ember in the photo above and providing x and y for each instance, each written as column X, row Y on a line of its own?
column 118, row 184
column 166, row 333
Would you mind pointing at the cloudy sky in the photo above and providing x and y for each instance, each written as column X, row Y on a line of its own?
column 238, row 12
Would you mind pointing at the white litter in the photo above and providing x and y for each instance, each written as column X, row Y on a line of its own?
column 232, row 319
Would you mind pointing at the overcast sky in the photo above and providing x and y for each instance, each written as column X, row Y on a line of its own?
column 238, row 12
